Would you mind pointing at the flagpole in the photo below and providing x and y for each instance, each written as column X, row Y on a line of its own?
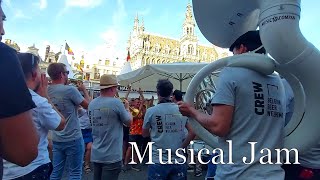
column 64, row 50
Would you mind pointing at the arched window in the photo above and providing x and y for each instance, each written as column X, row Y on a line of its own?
column 147, row 45
column 167, row 49
column 157, row 48
column 190, row 49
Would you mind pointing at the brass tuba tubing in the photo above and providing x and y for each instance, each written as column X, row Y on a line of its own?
column 134, row 111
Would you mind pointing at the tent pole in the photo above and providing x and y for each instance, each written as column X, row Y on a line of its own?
column 180, row 82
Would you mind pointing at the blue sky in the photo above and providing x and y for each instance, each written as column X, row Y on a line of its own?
column 100, row 28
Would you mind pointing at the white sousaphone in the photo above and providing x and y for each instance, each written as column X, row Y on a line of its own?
column 297, row 60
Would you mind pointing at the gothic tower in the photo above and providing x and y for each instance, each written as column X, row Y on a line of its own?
column 47, row 52
column 188, row 39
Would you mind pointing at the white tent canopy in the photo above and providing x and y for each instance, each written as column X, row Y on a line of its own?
column 126, row 68
column 63, row 59
column 180, row 74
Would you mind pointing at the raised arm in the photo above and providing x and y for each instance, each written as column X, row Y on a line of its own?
column 218, row 123
column 141, row 99
column 43, row 91
column 151, row 101
column 82, row 88
column 128, row 92
column 191, row 135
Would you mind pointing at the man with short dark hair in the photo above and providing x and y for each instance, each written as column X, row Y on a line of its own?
column 247, row 107
column 18, row 136
column 107, row 115
column 165, row 125
column 67, row 144
column 248, row 42
column 176, row 96
column 45, row 118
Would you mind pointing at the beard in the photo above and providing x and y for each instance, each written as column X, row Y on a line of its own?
column 37, row 87
column 66, row 82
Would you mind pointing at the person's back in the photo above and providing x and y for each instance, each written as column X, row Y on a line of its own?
column 259, row 114
column 165, row 125
column 66, row 99
column 107, row 118
column 167, row 129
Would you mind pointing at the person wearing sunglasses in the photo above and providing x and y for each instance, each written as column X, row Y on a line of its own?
column 67, row 144
column 45, row 117
column 18, row 136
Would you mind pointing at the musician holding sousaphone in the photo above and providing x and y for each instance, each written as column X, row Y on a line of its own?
column 241, row 113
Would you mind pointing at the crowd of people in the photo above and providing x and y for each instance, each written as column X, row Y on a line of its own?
column 47, row 129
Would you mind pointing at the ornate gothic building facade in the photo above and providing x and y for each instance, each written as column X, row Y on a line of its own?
column 148, row 48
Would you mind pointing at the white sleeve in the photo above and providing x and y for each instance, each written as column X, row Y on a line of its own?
column 49, row 118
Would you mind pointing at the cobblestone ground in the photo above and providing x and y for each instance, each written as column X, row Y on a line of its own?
column 134, row 175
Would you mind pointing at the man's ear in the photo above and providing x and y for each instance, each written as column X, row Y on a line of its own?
column 34, row 75
column 243, row 49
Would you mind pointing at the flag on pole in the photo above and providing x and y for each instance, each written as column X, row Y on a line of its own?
column 128, row 56
column 70, row 52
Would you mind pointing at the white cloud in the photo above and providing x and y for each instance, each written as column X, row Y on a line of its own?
column 43, row 4
column 19, row 14
column 77, row 3
column 120, row 13
column 113, row 36
column 7, row 3
column 83, row 3
column 23, row 47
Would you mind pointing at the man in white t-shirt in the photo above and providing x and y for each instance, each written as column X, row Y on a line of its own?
column 45, row 118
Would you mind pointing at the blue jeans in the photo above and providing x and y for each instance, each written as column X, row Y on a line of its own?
column 167, row 171
column 40, row 173
column 211, row 172
column 71, row 152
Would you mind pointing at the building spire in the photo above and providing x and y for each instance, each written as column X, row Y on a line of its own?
column 189, row 23
column 189, row 15
column 142, row 25
column 136, row 22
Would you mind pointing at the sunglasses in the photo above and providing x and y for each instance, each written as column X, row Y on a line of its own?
column 33, row 59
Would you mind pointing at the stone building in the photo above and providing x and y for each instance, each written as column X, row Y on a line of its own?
column 149, row 48
column 12, row 44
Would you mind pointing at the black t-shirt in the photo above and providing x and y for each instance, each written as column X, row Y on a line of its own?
column 14, row 94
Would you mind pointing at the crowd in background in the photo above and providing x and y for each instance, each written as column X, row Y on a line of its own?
column 47, row 129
